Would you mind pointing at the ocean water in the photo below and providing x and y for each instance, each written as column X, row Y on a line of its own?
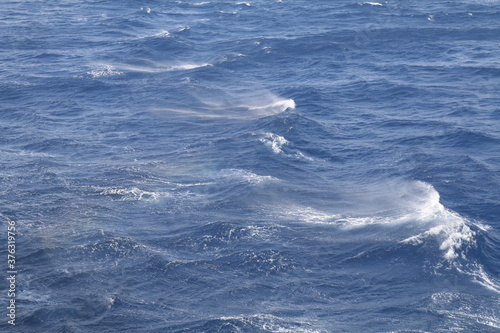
column 254, row 166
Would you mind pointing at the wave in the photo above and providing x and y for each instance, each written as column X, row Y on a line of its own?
column 282, row 105
column 105, row 70
column 241, row 100
column 406, row 213
column 133, row 193
column 213, row 235
column 114, row 248
column 201, row 3
column 246, row 176
column 278, row 143
column 149, row 67
column 209, row 110
column 391, row 203
column 476, row 271
column 461, row 310
column 370, row 3
column 161, row 34
column 247, row 323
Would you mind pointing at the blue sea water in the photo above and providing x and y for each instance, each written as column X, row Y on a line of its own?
column 254, row 166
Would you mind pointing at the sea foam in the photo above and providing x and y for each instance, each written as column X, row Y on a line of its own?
column 397, row 204
column 225, row 100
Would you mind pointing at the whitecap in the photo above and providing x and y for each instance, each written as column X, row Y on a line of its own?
column 457, row 307
column 397, row 204
column 106, row 70
column 413, row 214
column 371, row 3
column 189, row 66
column 311, row 215
column 194, row 184
column 134, row 193
column 476, row 271
column 163, row 33
column 28, row 153
column 454, row 235
column 270, row 323
column 149, row 67
column 261, row 232
column 279, row 105
column 276, row 142
column 159, row 34
column 227, row 100
column 246, row 176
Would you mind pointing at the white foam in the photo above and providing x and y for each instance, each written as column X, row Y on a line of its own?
column 464, row 313
column 311, row 215
column 397, row 204
column 133, row 193
column 163, row 33
column 453, row 235
column 105, row 70
column 280, row 105
column 226, row 100
column 247, row 176
column 270, row 323
column 413, row 208
column 371, row 3
column 262, row 232
column 160, row 34
column 194, row 184
column 150, row 67
column 275, row 141
column 29, row 296
column 27, row 153
column 476, row 271
column 189, row 66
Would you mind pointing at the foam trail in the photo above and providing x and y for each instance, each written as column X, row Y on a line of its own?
column 478, row 274
column 104, row 71
column 396, row 204
column 228, row 100
column 278, row 106
column 275, row 141
column 413, row 215
column 247, row 176
column 133, row 193
column 371, row 3
column 148, row 67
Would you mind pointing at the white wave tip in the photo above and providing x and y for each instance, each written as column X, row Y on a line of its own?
column 371, row 3
column 289, row 104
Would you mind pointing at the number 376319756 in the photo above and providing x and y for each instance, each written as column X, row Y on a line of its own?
column 11, row 262
column 11, row 245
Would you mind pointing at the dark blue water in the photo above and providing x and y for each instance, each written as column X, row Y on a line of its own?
column 260, row 166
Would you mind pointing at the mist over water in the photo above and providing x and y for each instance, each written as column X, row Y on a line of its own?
column 224, row 100
column 257, row 166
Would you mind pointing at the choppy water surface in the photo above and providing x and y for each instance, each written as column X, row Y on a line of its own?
column 260, row 166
